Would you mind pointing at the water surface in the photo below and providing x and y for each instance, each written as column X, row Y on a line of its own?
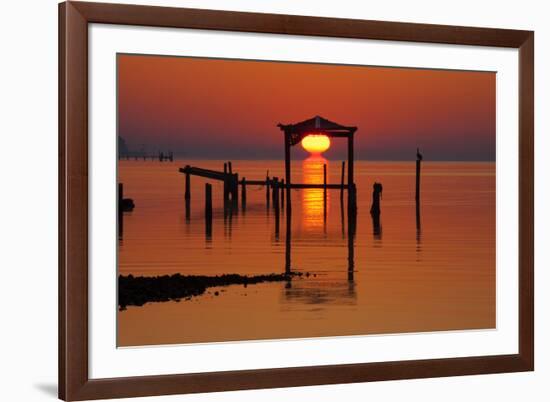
column 408, row 275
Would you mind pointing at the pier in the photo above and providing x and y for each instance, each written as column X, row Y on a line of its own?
column 161, row 156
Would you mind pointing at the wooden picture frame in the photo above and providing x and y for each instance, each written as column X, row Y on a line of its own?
column 74, row 381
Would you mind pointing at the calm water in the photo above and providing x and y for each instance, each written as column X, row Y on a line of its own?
column 439, row 275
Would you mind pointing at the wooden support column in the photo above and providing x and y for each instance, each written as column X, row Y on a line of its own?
column 243, row 192
column 235, row 189
column 325, row 196
column 282, row 193
column 208, row 209
column 325, row 178
column 342, row 181
column 187, row 196
column 350, row 160
column 274, row 190
column 267, row 184
column 287, row 168
column 120, row 195
column 418, row 162
column 187, row 186
column 352, row 206
column 276, row 205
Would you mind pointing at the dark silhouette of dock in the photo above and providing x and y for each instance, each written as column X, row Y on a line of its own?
column 142, row 155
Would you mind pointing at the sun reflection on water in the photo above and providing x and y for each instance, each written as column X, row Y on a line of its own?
column 314, row 207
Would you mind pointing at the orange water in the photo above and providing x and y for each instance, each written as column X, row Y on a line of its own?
column 408, row 276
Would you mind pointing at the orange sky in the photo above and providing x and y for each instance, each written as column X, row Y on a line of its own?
column 229, row 109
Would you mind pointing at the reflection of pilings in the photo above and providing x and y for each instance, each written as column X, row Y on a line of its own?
column 274, row 189
column 267, row 188
column 282, row 193
column 418, row 225
column 418, row 162
column 208, row 210
column 352, row 220
column 288, row 237
column 243, row 193
column 352, row 223
column 276, row 205
column 228, row 219
column 324, row 195
column 376, row 227
column 187, row 211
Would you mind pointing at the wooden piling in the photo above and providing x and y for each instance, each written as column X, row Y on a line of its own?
column 282, row 193
column 324, row 195
column 350, row 161
column 235, row 189
column 230, row 167
column 267, row 184
column 287, row 169
column 325, row 180
column 225, row 191
column 418, row 162
column 342, row 181
column 120, row 195
column 243, row 191
column 208, row 208
column 376, row 194
column 276, row 205
column 274, row 190
column 187, row 186
column 225, row 168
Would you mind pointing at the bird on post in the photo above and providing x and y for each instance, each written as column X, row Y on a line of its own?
column 418, row 155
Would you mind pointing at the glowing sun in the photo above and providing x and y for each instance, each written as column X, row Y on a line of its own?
column 316, row 143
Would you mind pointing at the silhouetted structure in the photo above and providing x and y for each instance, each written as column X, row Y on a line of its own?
column 208, row 209
column 124, row 204
column 294, row 133
column 376, row 194
column 418, row 162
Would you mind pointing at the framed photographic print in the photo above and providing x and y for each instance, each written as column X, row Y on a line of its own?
column 259, row 200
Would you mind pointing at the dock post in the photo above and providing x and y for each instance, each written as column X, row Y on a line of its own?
column 235, row 189
column 324, row 195
column 376, row 193
column 274, row 189
column 418, row 162
column 267, row 183
column 282, row 193
column 120, row 195
column 325, row 180
column 187, row 186
column 230, row 167
column 208, row 209
column 350, row 161
column 276, row 205
column 187, row 196
column 243, row 193
column 287, row 169
column 225, row 168
column 342, row 181
column 288, row 240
